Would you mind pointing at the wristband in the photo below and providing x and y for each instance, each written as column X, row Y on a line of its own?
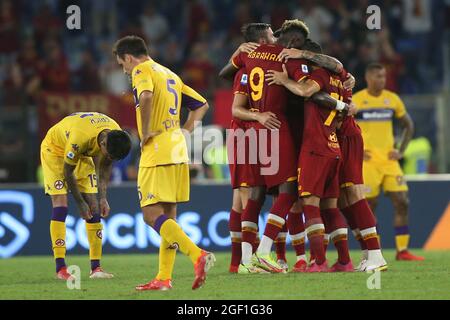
column 340, row 105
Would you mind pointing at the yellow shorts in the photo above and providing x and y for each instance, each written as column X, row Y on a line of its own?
column 387, row 174
column 167, row 183
column 52, row 169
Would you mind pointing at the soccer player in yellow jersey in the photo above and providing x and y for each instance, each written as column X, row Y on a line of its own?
column 163, row 178
column 74, row 151
column 377, row 108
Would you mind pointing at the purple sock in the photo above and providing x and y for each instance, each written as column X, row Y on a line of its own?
column 159, row 222
column 95, row 219
column 95, row 264
column 59, row 214
column 59, row 263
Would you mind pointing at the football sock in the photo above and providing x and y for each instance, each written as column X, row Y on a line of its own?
column 58, row 235
column 366, row 223
column 338, row 233
column 249, row 227
column 276, row 220
column 402, row 238
column 315, row 230
column 280, row 243
column 94, row 235
column 167, row 254
column 175, row 236
column 350, row 215
column 234, row 224
column 297, row 233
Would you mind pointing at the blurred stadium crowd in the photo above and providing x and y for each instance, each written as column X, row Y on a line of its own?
column 196, row 37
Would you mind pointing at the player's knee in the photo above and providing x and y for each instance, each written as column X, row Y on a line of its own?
column 401, row 205
column 59, row 200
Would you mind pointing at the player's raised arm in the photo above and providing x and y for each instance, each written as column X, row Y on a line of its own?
column 85, row 211
column 322, row 60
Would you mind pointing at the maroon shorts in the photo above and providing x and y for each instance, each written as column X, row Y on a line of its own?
column 318, row 175
column 282, row 166
column 242, row 150
column 351, row 171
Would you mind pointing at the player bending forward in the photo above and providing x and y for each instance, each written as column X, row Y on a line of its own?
column 72, row 153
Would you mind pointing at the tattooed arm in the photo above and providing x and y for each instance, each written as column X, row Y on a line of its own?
column 104, row 168
column 321, row 60
column 85, row 211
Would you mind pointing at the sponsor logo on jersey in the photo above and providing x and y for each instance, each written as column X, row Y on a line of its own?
column 375, row 115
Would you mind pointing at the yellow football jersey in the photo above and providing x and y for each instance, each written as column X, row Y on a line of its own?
column 76, row 135
column 375, row 118
column 169, row 94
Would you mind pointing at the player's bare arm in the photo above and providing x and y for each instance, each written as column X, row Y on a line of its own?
column 145, row 104
column 104, row 169
column 303, row 88
column 194, row 116
column 85, row 211
column 239, row 111
column 229, row 70
column 325, row 100
column 321, row 60
column 407, row 133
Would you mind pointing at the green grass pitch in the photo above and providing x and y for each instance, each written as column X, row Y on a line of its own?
column 33, row 278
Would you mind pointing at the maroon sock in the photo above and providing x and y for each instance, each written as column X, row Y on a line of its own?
column 297, row 232
column 365, row 219
column 280, row 243
column 336, row 225
column 350, row 216
column 278, row 214
column 249, row 218
column 315, row 231
column 255, row 244
column 234, row 225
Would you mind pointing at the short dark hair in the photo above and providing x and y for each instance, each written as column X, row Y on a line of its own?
column 118, row 144
column 132, row 45
column 252, row 32
column 374, row 66
column 312, row 46
column 293, row 31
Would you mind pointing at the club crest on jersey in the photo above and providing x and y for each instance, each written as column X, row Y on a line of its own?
column 137, row 72
column 244, row 79
column 70, row 155
column 59, row 184
column 305, row 68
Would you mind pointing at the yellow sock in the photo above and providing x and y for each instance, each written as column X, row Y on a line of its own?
column 166, row 260
column 58, row 236
column 173, row 234
column 94, row 235
column 402, row 242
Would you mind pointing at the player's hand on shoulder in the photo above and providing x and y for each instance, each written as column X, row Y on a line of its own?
column 104, row 208
column 277, row 77
column 395, row 155
column 349, row 84
column 292, row 53
column 248, row 47
column 85, row 210
column 268, row 120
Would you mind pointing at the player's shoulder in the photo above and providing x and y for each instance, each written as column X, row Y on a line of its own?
column 360, row 94
column 390, row 94
column 142, row 68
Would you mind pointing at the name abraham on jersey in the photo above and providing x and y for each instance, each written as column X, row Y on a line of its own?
column 375, row 114
column 263, row 56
